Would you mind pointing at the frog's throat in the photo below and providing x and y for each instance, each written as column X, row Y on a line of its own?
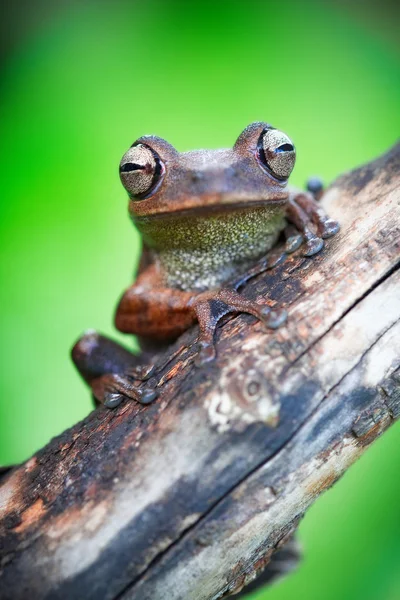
column 200, row 251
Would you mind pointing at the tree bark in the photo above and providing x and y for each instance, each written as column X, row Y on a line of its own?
column 189, row 497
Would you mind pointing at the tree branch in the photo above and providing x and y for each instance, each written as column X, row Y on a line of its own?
column 189, row 497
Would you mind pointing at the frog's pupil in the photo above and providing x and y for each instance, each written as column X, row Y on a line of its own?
column 127, row 167
column 285, row 148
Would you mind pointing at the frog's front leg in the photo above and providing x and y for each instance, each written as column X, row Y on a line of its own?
column 165, row 313
column 211, row 306
column 304, row 212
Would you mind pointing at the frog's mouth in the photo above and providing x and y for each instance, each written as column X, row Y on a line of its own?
column 233, row 207
column 204, row 206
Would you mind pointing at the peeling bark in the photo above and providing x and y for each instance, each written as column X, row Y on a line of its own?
column 188, row 498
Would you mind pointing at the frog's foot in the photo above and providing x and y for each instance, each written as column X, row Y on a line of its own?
column 111, row 370
column 311, row 221
column 210, row 307
column 113, row 388
column 326, row 227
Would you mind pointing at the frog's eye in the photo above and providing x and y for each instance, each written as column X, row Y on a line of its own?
column 139, row 170
column 277, row 153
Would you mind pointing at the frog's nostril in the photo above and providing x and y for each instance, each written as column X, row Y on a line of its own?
column 285, row 148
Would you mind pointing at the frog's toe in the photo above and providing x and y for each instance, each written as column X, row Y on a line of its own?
column 142, row 395
column 112, row 389
column 313, row 246
column 272, row 318
column 276, row 318
column 112, row 400
column 293, row 243
column 146, row 395
column 294, row 239
column 329, row 228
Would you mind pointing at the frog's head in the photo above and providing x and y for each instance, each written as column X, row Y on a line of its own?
column 162, row 181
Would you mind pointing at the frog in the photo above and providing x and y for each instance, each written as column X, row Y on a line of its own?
column 205, row 217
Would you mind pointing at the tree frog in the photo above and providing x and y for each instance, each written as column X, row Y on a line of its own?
column 205, row 216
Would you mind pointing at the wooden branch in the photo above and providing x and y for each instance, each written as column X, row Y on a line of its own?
column 189, row 497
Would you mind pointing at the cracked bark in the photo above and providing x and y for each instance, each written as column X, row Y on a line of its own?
column 189, row 497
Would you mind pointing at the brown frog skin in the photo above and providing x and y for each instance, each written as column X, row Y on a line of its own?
column 205, row 217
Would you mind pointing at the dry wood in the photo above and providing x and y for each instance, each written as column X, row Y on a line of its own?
column 189, row 497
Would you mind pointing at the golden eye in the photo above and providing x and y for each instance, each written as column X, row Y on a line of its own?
column 277, row 152
column 139, row 170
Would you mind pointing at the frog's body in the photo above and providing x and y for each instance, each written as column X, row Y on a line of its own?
column 205, row 217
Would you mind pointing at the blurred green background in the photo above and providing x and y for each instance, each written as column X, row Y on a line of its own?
column 79, row 83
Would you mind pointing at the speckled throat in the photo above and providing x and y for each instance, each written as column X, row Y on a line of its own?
column 202, row 251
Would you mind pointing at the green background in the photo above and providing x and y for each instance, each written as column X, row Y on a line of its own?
column 76, row 90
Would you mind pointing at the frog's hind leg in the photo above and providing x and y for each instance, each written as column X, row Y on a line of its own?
column 111, row 370
column 95, row 355
column 283, row 561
